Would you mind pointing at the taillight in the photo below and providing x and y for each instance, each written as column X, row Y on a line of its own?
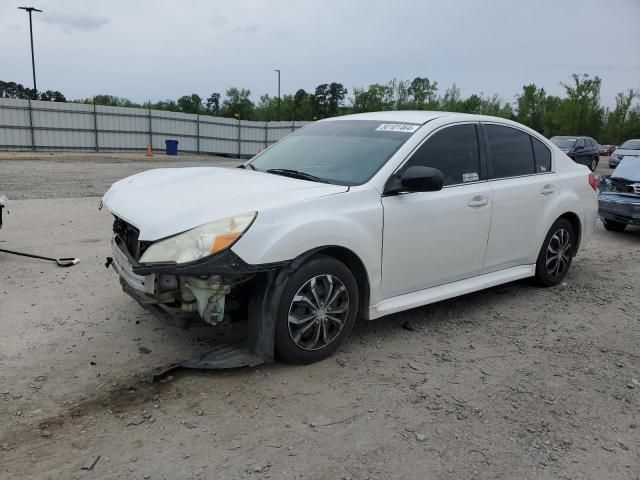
column 592, row 181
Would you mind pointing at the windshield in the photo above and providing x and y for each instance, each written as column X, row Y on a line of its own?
column 346, row 152
column 564, row 142
column 631, row 145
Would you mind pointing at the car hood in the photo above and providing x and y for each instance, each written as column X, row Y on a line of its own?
column 168, row 201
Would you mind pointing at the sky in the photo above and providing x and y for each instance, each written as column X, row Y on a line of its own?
column 155, row 50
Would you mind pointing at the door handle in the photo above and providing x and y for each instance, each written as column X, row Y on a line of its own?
column 478, row 201
column 548, row 189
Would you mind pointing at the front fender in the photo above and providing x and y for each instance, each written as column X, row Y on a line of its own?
column 352, row 220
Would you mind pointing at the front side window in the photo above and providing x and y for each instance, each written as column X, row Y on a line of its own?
column 510, row 151
column 345, row 152
column 453, row 151
column 580, row 143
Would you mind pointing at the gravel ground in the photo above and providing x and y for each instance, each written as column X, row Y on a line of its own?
column 512, row 382
column 62, row 175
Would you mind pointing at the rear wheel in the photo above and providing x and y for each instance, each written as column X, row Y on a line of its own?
column 613, row 226
column 594, row 165
column 317, row 311
column 556, row 253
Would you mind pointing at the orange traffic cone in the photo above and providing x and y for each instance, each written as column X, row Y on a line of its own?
column 149, row 152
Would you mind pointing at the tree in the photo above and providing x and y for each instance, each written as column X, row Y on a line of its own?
column 532, row 103
column 112, row 101
column 617, row 120
column 337, row 94
column 302, row 108
column 580, row 112
column 16, row 90
column 190, row 103
column 451, row 101
column 238, row 104
column 213, row 103
column 52, row 96
column 373, row 99
column 423, row 93
column 328, row 99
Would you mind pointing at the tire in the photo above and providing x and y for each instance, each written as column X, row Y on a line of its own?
column 594, row 165
column 614, row 226
column 556, row 254
column 320, row 328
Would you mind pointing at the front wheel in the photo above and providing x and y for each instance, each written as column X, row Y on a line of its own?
column 317, row 311
column 556, row 253
column 613, row 226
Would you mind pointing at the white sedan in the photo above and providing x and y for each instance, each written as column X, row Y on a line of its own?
column 356, row 216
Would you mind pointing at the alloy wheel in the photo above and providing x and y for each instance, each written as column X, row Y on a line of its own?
column 318, row 312
column 558, row 253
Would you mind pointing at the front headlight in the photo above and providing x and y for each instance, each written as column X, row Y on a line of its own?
column 199, row 242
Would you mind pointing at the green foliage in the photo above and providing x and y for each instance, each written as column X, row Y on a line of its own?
column 16, row 90
column 237, row 104
column 213, row 104
column 578, row 111
column 190, row 103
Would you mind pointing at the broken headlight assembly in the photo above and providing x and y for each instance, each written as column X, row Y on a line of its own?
column 199, row 242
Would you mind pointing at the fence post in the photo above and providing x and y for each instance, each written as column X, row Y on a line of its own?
column 150, row 130
column 33, row 137
column 239, row 139
column 293, row 126
column 266, row 135
column 198, row 132
column 95, row 123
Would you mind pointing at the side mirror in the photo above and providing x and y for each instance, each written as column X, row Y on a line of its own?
column 415, row 179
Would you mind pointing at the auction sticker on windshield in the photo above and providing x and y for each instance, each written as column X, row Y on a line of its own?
column 397, row 127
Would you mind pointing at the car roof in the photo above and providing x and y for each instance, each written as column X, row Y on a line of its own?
column 418, row 116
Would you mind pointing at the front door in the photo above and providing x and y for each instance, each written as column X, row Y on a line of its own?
column 432, row 238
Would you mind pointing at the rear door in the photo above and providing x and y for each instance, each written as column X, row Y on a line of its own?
column 432, row 238
column 522, row 183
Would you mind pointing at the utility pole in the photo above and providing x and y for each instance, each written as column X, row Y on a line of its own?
column 278, row 93
column 33, row 61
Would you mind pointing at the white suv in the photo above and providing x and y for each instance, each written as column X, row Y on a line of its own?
column 362, row 215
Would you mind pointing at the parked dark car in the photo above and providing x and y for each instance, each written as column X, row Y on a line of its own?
column 606, row 150
column 619, row 198
column 580, row 149
column 628, row 148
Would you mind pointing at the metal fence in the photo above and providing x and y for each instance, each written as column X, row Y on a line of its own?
column 37, row 125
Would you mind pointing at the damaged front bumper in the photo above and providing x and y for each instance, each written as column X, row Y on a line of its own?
column 216, row 290
column 619, row 208
column 193, row 290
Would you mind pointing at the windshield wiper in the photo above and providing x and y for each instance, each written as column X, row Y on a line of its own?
column 286, row 172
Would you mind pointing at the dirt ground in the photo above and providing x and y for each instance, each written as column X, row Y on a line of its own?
column 512, row 382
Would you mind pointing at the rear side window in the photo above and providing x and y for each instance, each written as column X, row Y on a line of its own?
column 542, row 156
column 511, row 151
column 453, row 151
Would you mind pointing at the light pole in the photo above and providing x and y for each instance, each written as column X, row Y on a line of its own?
column 33, row 61
column 278, row 93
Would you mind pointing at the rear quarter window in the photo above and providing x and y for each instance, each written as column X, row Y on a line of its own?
column 542, row 156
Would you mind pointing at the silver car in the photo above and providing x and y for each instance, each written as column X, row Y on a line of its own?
column 628, row 148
